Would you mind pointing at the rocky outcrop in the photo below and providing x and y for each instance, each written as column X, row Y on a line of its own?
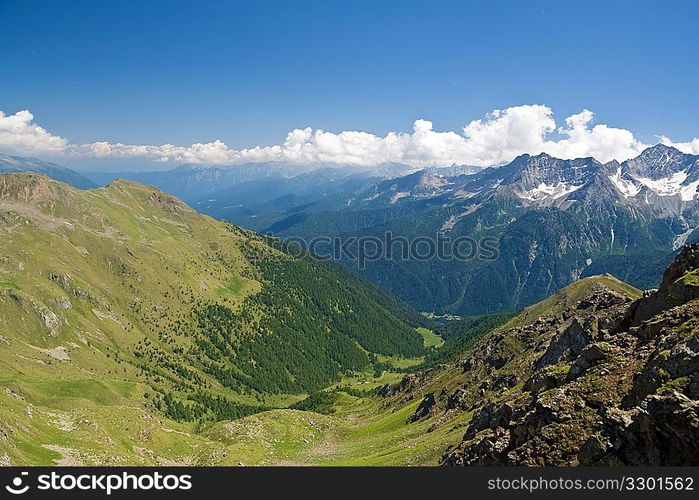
column 567, row 345
column 602, row 300
column 169, row 203
column 410, row 386
column 425, row 408
column 663, row 430
column 590, row 356
column 617, row 383
column 675, row 289
column 491, row 416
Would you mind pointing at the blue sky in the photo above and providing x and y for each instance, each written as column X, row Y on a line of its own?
column 247, row 73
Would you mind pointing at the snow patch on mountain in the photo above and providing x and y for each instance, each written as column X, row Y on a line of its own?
column 681, row 239
column 433, row 181
column 672, row 186
column 397, row 197
column 465, row 194
column 451, row 221
column 689, row 191
column 625, row 187
column 549, row 191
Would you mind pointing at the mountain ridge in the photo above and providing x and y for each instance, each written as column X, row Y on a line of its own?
column 597, row 374
column 16, row 164
column 211, row 317
column 555, row 220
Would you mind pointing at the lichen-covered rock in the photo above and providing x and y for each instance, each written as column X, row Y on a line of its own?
column 590, row 356
column 490, row 416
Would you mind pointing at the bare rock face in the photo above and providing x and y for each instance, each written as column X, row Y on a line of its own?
column 410, row 385
column 490, row 416
column 596, row 447
column 168, row 203
column 491, row 449
column 425, row 408
column 567, row 345
column 602, row 300
column 675, row 289
column 546, row 379
column 663, row 431
column 616, row 384
column 591, row 355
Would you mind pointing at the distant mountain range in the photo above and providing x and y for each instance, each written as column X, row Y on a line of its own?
column 135, row 330
column 555, row 220
column 196, row 183
column 14, row 164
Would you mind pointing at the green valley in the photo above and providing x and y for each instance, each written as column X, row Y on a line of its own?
column 135, row 331
column 124, row 313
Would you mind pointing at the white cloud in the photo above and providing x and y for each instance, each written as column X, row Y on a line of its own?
column 496, row 139
column 19, row 133
column 690, row 147
column 601, row 142
column 209, row 153
column 507, row 133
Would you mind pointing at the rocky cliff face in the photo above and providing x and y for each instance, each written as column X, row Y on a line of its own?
column 554, row 220
column 680, row 285
column 601, row 379
column 605, row 392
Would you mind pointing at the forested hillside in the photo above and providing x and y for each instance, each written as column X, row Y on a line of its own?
column 126, row 285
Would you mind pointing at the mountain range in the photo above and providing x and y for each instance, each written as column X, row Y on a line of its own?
column 555, row 221
column 15, row 164
column 135, row 330
column 195, row 183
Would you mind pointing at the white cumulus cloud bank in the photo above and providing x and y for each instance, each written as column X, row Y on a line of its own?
column 493, row 140
column 690, row 147
column 19, row 133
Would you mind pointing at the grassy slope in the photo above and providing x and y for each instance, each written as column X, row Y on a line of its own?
column 430, row 337
column 90, row 278
column 362, row 431
column 67, row 395
column 377, row 431
column 92, row 410
column 568, row 296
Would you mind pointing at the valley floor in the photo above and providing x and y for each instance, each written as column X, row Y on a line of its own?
column 91, row 422
column 360, row 434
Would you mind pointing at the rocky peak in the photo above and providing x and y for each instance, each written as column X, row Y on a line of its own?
column 677, row 281
column 659, row 161
column 680, row 285
column 660, row 152
column 30, row 188
column 545, row 179
column 168, row 203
